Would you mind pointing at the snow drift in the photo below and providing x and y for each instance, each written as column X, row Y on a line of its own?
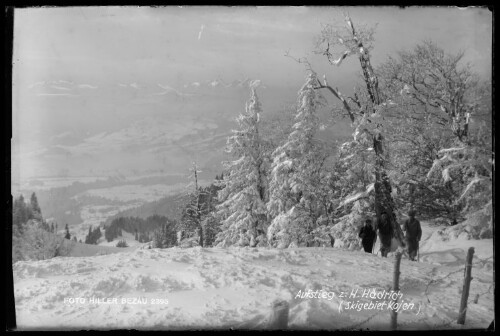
column 218, row 288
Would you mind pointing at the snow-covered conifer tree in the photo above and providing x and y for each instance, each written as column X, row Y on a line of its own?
column 242, row 209
column 290, row 195
column 195, row 210
column 35, row 207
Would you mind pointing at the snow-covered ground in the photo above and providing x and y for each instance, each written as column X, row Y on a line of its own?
column 85, row 250
column 223, row 288
column 126, row 236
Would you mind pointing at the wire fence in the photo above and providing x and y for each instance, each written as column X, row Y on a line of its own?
column 477, row 262
column 447, row 322
column 437, row 280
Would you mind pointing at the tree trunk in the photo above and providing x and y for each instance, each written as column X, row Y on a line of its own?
column 383, row 189
column 278, row 318
column 201, row 235
column 383, row 197
column 465, row 291
column 395, row 288
column 198, row 206
column 412, row 195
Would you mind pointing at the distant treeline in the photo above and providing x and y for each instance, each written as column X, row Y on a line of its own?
column 143, row 229
column 168, row 206
column 170, row 220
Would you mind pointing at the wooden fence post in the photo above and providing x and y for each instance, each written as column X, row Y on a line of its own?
column 395, row 288
column 279, row 315
column 465, row 291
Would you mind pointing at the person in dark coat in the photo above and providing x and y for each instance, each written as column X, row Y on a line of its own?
column 413, row 234
column 367, row 235
column 332, row 240
column 385, row 233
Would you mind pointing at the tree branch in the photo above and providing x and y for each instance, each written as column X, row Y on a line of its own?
column 339, row 96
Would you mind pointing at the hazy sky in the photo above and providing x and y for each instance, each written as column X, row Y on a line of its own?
column 98, row 48
column 183, row 44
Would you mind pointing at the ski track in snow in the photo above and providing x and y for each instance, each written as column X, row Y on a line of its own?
column 234, row 288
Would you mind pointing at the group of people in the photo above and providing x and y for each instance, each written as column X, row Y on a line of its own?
column 413, row 233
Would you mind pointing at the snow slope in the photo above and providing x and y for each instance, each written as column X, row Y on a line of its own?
column 86, row 250
column 126, row 236
column 234, row 287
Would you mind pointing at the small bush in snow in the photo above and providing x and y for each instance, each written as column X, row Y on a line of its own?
column 122, row 243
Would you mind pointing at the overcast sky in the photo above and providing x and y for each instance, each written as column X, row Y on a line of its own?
column 100, row 47
column 99, row 44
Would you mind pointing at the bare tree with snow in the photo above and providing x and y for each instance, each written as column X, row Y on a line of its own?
column 365, row 108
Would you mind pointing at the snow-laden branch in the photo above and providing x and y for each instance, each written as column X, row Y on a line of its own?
column 338, row 95
column 453, row 149
column 357, row 196
column 474, row 181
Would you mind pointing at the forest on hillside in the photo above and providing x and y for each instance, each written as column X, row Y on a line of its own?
column 168, row 206
column 421, row 141
column 61, row 204
column 33, row 238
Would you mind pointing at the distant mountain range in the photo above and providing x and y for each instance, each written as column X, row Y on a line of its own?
column 69, row 88
column 108, row 128
column 219, row 83
column 67, row 128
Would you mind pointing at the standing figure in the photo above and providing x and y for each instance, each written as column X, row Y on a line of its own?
column 385, row 233
column 413, row 234
column 243, row 241
column 367, row 235
column 261, row 238
column 332, row 240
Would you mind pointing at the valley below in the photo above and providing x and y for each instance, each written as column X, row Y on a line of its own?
column 84, row 202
